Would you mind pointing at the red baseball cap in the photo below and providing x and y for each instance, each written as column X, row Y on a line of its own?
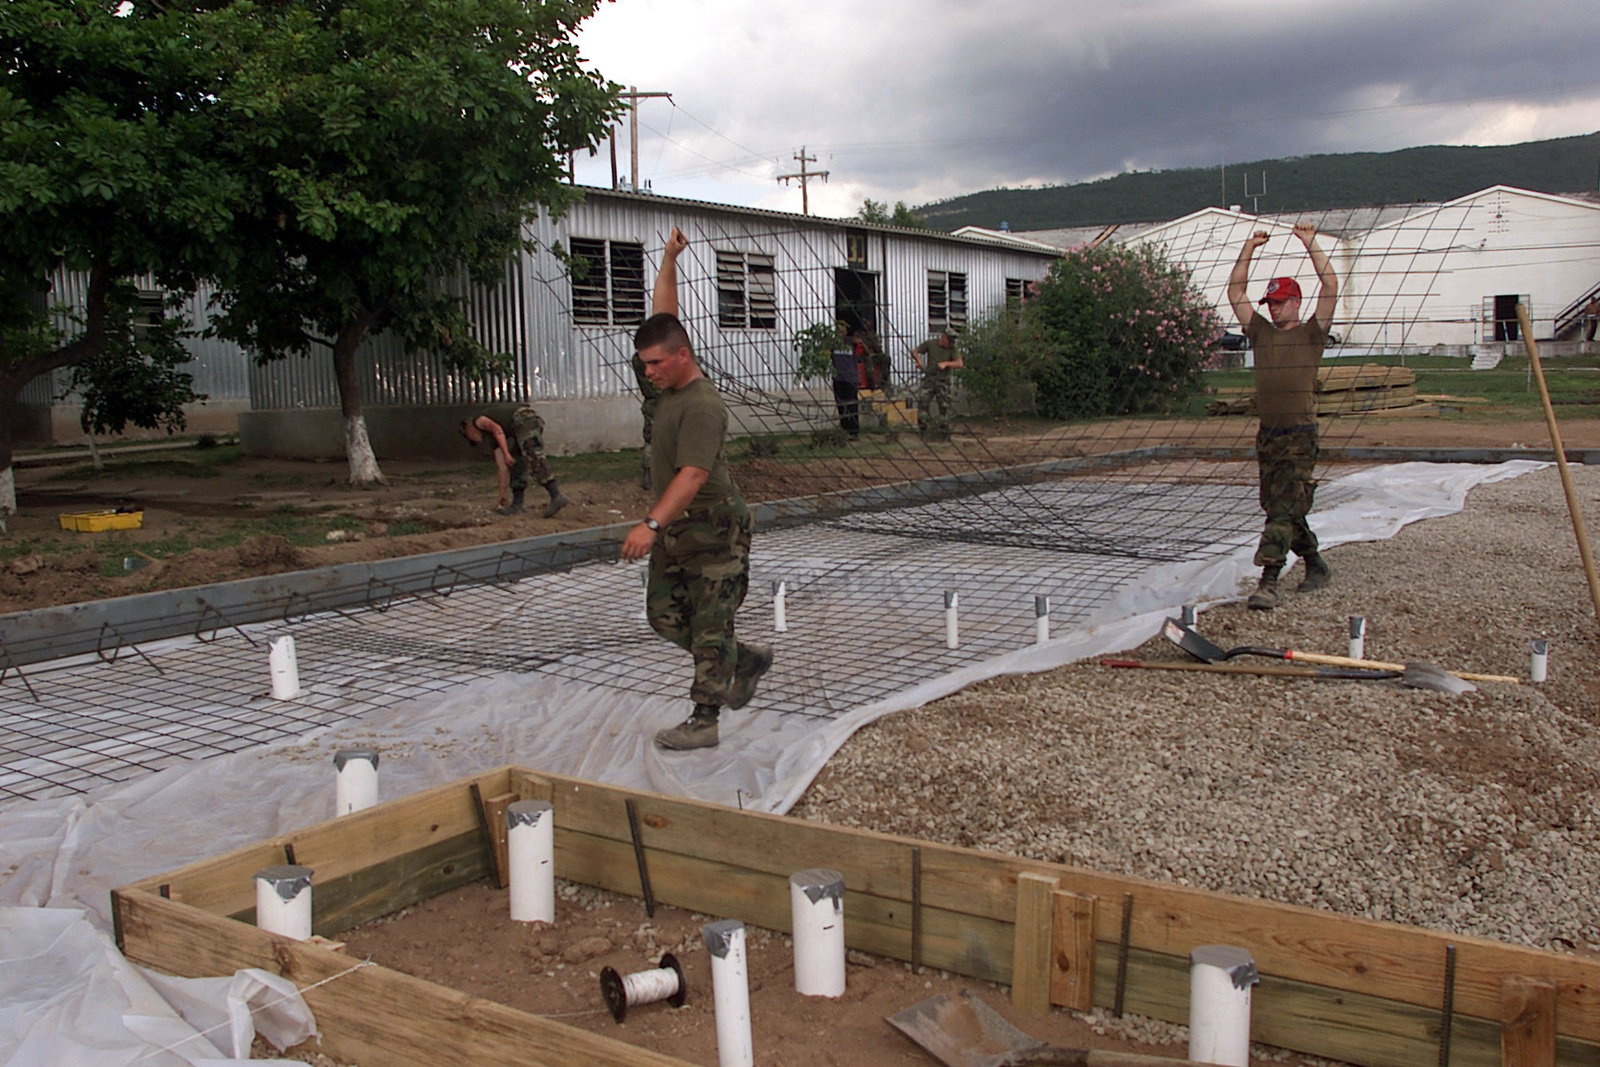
column 1281, row 289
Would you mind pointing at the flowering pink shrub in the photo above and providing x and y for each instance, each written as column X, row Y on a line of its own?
column 1119, row 330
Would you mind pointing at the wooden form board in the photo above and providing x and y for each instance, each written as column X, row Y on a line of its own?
column 1357, row 990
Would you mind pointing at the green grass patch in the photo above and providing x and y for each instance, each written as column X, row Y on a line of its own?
column 188, row 463
column 620, row 466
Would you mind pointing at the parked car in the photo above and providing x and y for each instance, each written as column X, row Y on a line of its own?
column 1232, row 342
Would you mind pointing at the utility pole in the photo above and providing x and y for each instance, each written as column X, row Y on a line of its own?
column 633, row 96
column 804, row 176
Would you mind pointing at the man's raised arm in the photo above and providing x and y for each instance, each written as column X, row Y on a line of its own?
column 664, row 298
column 1327, row 277
column 1239, row 278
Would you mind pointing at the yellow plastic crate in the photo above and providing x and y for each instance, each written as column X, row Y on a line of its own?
column 95, row 521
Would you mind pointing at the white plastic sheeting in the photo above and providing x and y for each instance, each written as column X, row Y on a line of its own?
column 68, row 997
column 67, row 853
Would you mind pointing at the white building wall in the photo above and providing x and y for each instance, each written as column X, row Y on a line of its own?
column 1416, row 281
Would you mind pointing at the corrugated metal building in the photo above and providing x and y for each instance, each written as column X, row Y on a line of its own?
column 750, row 280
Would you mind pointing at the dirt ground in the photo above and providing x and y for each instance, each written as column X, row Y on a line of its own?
column 245, row 516
column 465, row 940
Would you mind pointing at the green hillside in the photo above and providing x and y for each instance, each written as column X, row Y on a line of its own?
column 1352, row 179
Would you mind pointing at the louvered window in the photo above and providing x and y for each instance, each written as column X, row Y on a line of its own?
column 947, row 301
column 607, row 282
column 746, row 291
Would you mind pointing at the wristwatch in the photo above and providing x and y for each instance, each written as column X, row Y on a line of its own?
column 655, row 527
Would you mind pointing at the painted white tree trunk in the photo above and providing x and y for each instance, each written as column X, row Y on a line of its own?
column 363, row 464
column 8, row 495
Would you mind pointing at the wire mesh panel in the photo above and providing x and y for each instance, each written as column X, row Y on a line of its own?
column 864, row 599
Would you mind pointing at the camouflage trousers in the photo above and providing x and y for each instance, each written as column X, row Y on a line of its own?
column 699, row 574
column 531, row 468
column 935, row 391
column 1287, row 458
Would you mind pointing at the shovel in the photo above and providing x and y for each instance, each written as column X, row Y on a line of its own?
column 1200, row 648
column 1415, row 675
column 965, row 1032
column 1337, row 674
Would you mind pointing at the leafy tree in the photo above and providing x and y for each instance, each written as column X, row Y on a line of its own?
column 1001, row 354
column 392, row 150
column 1118, row 330
column 813, row 349
column 136, row 377
column 878, row 211
column 105, row 169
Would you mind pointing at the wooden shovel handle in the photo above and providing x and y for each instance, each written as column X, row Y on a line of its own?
column 1379, row 665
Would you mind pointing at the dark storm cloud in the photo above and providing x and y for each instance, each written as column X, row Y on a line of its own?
column 918, row 100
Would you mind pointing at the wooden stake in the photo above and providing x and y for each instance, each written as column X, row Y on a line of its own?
column 1527, row 1022
column 1030, row 958
column 1561, row 459
column 1072, row 951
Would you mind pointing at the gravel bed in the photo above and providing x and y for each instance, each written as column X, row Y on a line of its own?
column 1473, row 814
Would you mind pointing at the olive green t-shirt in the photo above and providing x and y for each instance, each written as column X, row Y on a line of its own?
column 1286, row 371
column 691, row 430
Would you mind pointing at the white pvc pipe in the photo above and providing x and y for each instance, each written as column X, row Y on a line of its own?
column 1539, row 668
column 531, row 856
column 952, row 628
column 1358, row 637
column 285, row 672
column 730, row 991
column 283, row 901
column 1041, row 619
column 816, row 903
column 1187, row 615
column 780, row 616
column 356, row 787
column 1220, row 977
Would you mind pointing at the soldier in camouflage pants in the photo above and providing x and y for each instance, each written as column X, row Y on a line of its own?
column 519, row 458
column 1287, row 459
column 699, row 574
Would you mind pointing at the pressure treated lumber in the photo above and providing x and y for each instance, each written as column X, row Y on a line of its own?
column 367, row 1013
column 1349, row 989
column 1072, row 956
column 1527, row 1022
column 1032, row 942
column 1357, row 955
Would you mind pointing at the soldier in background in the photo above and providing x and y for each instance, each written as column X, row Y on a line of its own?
column 1288, row 353
column 518, row 458
column 937, row 359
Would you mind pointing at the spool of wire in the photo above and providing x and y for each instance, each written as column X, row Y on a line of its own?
column 646, row 987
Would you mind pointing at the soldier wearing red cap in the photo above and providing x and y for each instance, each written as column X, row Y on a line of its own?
column 1287, row 355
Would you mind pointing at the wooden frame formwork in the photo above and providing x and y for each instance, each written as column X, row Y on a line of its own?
column 1369, row 993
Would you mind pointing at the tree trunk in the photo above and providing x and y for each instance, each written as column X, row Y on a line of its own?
column 8, row 478
column 364, row 472
column 15, row 374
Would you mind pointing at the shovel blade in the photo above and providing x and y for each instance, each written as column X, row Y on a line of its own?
column 960, row 1031
column 1427, row 676
column 1198, row 647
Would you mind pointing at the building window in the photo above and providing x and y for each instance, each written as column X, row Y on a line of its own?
column 607, row 282
column 149, row 309
column 947, row 301
column 746, row 291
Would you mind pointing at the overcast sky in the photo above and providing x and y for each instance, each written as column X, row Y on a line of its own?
column 916, row 101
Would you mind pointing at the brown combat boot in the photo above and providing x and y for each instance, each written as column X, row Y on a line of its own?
column 699, row 730
column 1265, row 597
column 1317, row 574
column 747, row 673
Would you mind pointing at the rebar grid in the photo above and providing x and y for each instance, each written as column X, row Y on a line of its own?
column 864, row 602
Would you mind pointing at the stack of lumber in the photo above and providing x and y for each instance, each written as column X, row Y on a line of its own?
column 1341, row 390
